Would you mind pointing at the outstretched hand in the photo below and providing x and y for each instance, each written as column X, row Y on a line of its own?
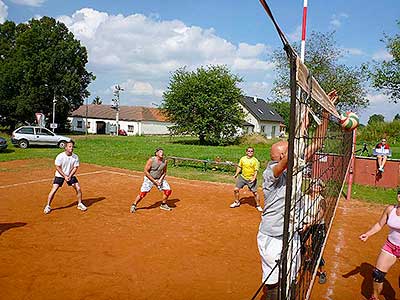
column 363, row 237
column 333, row 96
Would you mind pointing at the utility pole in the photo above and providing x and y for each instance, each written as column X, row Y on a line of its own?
column 54, row 111
column 86, row 126
column 116, row 105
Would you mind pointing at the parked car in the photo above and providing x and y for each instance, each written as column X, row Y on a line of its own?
column 3, row 143
column 26, row 136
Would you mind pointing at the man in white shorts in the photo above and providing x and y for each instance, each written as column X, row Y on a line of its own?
column 67, row 164
column 155, row 171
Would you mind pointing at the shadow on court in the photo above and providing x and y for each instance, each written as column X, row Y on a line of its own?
column 170, row 202
column 7, row 226
column 88, row 202
column 365, row 270
column 248, row 200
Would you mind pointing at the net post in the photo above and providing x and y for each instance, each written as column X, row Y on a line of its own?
column 351, row 171
column 284, row 285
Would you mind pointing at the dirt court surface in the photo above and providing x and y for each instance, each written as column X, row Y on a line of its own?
column 200, row 250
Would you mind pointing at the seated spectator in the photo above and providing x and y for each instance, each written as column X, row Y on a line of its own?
column 382, row 151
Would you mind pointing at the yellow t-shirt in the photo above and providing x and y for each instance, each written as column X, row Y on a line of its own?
column 249, row 166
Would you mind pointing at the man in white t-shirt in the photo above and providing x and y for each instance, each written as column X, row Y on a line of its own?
column 67, row 164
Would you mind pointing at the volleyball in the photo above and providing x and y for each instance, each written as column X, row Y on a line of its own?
column 349, row 121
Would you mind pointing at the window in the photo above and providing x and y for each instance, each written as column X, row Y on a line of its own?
column 260, row 111
column 272, row 113
column 26, row 130
column 79, row 124
column 43, row 131
column 131, row 128
column 262, row 128
column 88, row 125
column 273, row 131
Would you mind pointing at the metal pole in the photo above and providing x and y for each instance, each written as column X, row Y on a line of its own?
column 351, row 171
column 86, row 126
column 303, row 31
column 54, row 110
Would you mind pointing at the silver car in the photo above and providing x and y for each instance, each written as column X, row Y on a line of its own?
column 34, row 135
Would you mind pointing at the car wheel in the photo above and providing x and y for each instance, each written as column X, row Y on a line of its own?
column 62, row 144
column 23, row 144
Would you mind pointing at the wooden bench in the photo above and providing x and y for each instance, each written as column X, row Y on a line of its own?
column 204, row 162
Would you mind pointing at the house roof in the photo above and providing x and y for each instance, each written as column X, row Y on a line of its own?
column 126, row 113
column 261, row 109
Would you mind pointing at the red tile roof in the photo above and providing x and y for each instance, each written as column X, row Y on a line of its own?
column 126, row 113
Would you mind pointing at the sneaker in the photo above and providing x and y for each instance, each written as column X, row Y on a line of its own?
column 47, row 209
column 373, row 298
column 234, row 204
column 322, row 278
column 133, row 208
column 82, row 207
column 165, row 206
column 259, row 208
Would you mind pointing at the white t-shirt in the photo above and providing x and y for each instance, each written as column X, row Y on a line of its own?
column 67, row 163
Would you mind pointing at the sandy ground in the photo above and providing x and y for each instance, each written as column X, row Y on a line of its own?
column 200, row 250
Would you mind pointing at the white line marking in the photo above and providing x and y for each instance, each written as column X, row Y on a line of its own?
column 43, row 180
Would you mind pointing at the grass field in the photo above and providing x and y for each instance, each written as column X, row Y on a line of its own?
column 132, row 153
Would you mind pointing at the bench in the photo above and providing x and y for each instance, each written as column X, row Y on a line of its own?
column 204, row 162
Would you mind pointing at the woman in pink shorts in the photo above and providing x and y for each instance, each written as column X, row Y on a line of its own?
column 390, row 251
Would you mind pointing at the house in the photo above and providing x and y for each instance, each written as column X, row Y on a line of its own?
column 261, row 118
column 135, row 120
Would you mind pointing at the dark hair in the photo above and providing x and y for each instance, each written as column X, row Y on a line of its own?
column 70, row 142
column 158, row 149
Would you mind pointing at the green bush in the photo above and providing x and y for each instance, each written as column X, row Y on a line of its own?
column 373, row 132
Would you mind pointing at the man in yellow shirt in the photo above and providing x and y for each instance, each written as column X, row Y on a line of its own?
column 248, row 166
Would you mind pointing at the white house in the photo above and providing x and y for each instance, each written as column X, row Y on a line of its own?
column 135, row 120
column 261, row 118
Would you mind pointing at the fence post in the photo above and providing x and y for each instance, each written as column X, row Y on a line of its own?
column 352, row 161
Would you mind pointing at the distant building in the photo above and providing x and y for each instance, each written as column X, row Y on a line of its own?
column 135, row 120
column 261, row 118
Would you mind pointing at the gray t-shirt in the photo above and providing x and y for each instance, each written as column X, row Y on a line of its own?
column 274, row 202
column 157, row 168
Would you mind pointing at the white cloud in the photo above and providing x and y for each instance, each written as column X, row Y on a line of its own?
column 337, row 19
column 379, row 104
column 29, row 2
column 295, row 36
column 353, row 51
column 3, row 12
column 142, row 51
column 382, row 55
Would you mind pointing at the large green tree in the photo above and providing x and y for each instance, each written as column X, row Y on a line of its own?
column 204, row 103
column 322, row 59
column 376, row 118
column 40, row 61
column 386, row 75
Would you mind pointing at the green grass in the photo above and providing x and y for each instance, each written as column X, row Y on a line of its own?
column 132, row 153
column 373, row 194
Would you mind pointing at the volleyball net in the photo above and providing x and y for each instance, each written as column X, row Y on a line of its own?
column 319, row 156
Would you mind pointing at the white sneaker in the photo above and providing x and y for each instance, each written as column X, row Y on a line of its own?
column 259, row 208
column 82, row 207
column 164, row 206
column 234, row 204
column 47, row 209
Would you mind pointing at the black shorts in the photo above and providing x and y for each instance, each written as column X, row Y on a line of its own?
column 60, row 181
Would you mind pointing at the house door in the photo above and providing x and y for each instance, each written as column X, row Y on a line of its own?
column 101, row 127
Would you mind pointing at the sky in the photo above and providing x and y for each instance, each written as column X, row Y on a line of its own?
column 139, row 44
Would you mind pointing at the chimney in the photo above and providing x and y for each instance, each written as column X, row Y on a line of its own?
column 255, row 99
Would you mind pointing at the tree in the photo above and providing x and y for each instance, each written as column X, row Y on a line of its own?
column 40, row 61
column 322, row 56
column 97, row 101
column 375, row 118
column 204, row 103
column 283, row 109
column 386, row 75
column 396, row 117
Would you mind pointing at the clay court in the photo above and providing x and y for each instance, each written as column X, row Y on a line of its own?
column 200, row 250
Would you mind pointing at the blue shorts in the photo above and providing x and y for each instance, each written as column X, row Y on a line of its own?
column 60, row 181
